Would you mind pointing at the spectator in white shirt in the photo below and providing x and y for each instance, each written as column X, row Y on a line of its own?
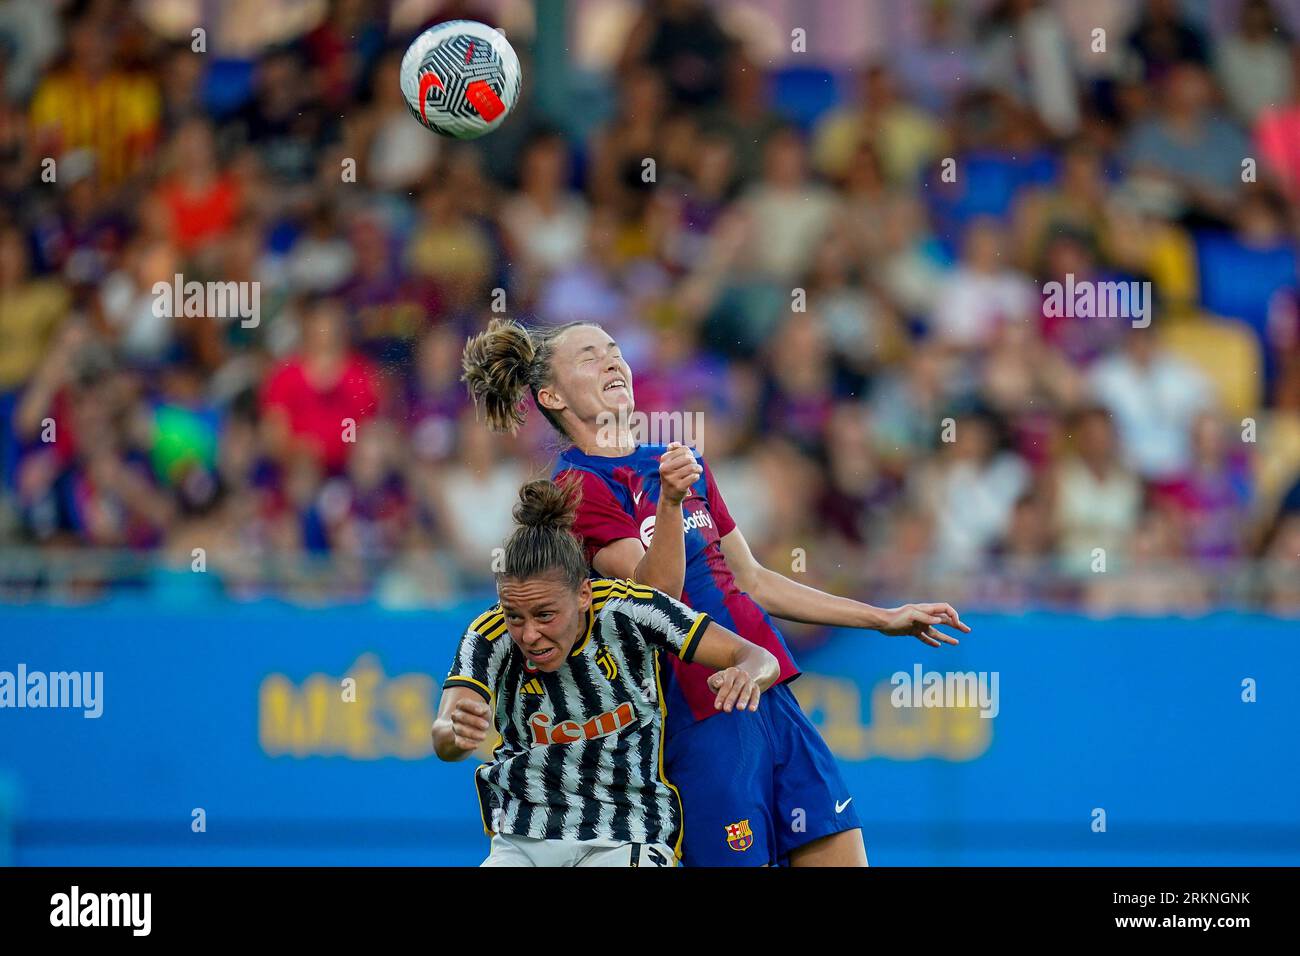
column 545, row 223
column 1154, row 398
column 983, row 292
column 969, row 494
column 786, row 215
column 1098, row 500
column 1253, row 65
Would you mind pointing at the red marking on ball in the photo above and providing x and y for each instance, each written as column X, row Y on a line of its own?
column 426, row 82
column 484, row 99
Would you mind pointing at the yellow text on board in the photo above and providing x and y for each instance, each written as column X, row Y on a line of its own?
column 381, row 716
column 834, row 705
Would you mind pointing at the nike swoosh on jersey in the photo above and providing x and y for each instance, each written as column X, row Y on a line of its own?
column 839, row 807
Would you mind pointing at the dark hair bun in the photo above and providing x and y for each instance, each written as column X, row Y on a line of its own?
column 545, row 504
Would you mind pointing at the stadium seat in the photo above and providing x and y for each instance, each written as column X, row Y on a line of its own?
column 1226, row 352
column 1237, row 280
column 804, row 94
column 988, row 186
column 1173, row 268
column 1277, row 465
column 1241, row 282
column 227, row 86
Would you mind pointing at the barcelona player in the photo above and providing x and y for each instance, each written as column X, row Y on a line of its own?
column 754, row 792
column 569, row 668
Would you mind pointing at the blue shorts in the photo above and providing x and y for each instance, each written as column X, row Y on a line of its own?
column 755, row 786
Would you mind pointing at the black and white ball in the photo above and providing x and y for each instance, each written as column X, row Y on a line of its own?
column 461, row 78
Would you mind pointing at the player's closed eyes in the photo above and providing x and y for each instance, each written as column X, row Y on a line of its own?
column 591, row 358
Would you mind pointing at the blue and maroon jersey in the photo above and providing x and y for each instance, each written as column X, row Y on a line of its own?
column 619, row 498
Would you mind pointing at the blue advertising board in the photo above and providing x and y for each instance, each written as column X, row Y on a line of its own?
column 269, row 734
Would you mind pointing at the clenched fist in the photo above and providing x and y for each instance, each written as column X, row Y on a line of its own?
column 678, row 470
column 469, row 723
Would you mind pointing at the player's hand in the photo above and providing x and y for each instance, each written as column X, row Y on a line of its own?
column 678, row 470
column 469, row 723
column 919, row 620
column 736, row 690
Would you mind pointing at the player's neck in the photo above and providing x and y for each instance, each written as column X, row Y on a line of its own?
column 601, row 444
column 606, row 451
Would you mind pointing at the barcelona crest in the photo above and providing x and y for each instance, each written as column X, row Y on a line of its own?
column 739, row 835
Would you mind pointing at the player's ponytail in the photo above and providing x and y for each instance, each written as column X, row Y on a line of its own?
column 504, row 361
column 543, row 542
column 497, row 364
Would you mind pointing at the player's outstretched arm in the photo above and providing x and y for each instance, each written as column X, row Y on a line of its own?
column 784, row 598
column 744, row 670
column 462, row 723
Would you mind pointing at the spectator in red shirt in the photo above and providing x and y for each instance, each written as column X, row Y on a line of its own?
column 202, row 200
column 315, row 402
column 1277, row 136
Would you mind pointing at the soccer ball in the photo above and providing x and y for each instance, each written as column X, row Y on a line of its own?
column 460, row 78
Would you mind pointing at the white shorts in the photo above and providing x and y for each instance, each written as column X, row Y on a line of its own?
column 510, row 850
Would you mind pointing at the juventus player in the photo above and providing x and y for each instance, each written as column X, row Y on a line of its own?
column 569, row 668
column 743, row 782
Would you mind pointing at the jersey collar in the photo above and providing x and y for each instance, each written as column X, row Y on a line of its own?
column 575, row 453
column 591, row 622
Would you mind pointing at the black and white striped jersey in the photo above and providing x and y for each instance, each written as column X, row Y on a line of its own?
column 581, row 747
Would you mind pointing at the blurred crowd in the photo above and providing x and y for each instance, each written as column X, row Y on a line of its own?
column 848, row 288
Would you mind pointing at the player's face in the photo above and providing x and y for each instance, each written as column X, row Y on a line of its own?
column 545, row 617
column 591, row 376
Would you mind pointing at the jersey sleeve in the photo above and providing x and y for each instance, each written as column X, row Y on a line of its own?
column 601, row 520
column 481, row 655
column 661, row 621
column 717, row 507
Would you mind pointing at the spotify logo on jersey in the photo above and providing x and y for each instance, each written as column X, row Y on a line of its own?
column 700, row 519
